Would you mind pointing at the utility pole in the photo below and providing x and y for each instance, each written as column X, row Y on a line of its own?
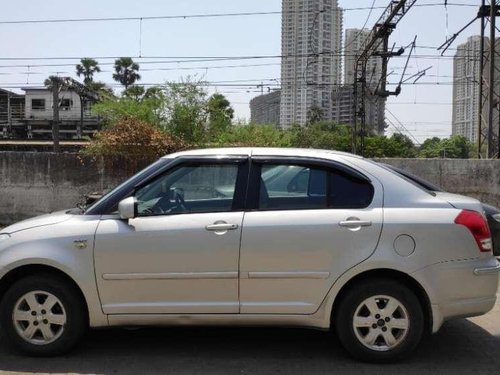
column 488, row 138
column 491, row 89
column 481, row 86
column 379, row 36
column 55, row 112
column 9, row 115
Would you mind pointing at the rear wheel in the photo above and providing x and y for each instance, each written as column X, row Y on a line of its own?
column 42, row 315
column 379, row 321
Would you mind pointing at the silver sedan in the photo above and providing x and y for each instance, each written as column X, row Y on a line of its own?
column 245, row 236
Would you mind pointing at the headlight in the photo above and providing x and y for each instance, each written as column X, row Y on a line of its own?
column 497, row 217
column 4, row 236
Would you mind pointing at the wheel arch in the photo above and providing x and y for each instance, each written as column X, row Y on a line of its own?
column 32, row 269
column 391, row 274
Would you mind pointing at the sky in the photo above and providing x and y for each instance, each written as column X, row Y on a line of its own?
column 424, row 109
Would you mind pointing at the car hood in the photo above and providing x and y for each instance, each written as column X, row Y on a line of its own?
column 38, row 221
column 460, row 201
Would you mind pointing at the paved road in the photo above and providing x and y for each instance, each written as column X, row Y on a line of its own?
column 462, row 347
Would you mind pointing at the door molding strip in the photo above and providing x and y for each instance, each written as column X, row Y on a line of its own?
column 289, row 275
column 170, row 276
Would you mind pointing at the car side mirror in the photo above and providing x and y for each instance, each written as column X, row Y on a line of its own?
column 128, row 208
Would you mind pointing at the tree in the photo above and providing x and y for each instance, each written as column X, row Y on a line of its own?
column 100, row 88
column 220, row 114
column 148, row 106
column 254, row 135
column 133, row 140
column 314, row 115
column 403, row 146
column 324, row 135
column 455, row 147
column 87, row 68
column 431, row 148
column 135, row 92
column 126, row 71
column 186, row 110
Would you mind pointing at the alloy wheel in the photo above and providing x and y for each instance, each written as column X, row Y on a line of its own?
column 381, row 323
column 39, row 317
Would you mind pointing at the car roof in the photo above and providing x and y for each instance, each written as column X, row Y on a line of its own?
column 272, row 151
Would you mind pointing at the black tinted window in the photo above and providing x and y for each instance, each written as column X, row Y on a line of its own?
column 347, row 191
column 292, row 187
column 288, row 187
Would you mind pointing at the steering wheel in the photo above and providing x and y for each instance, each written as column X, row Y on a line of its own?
column 179, row 200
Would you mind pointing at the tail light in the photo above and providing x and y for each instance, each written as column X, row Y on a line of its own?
column 478, row 226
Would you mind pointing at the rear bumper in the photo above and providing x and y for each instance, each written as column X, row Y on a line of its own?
column 492, row 270
column 462, row 288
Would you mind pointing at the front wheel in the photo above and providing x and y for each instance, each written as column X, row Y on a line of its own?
column 42, row 315
column 379, row 321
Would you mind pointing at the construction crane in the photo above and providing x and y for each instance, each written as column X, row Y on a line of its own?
column 377, row 45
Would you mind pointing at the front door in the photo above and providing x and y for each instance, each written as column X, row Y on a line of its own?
column 309, row 224
column 180, row 254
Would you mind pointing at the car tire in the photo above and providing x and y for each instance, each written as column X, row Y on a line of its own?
column 43, row 315
column 379, row 321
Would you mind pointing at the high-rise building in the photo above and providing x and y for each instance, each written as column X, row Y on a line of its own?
column 343, row 100
column 311, row 64
column 355, row 43
column 265, row 109
column 466, row 75
column 466, row 72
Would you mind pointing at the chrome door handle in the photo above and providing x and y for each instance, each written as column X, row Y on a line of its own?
column 355, row 223
column 221, row 227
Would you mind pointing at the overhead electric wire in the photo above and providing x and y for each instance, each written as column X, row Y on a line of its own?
column 403, row 126
column 197, row 15
column 186, row 59
column 256, row 82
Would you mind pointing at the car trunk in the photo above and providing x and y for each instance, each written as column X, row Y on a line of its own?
column 468, row 203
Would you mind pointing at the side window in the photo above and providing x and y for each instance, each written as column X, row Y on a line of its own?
column 297, row 187
column 347, row 191
column 189, row 189
column 289, row 187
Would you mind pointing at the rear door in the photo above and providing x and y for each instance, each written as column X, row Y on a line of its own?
column 308, row 223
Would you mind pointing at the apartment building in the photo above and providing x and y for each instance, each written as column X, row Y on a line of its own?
column 311, row 58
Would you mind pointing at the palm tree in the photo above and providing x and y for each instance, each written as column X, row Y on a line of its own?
column 220, row 114
column 87, row 68
column 126, row 71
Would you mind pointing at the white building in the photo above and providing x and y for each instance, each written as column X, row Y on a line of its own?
column 265, row 109
column 343, row 99
column 355, row 43
column 466, row 75
column 39, row 114
column 39, row 104
column 311, row 58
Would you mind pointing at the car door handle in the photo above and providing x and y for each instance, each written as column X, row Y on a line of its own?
column 221, row 227
column 355, row 223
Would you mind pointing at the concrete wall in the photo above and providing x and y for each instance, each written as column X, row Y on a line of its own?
column 33, row 183
column 476, row 178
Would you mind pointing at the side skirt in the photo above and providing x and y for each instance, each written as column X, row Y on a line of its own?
column 309, row 321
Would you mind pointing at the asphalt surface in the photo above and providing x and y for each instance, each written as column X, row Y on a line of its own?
column 465, row 346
